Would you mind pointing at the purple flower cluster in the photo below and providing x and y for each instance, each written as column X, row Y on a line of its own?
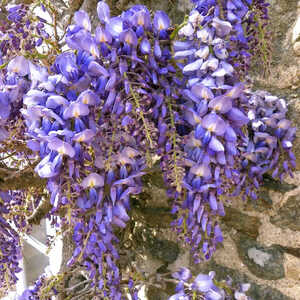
column 206, row 287
column 127, row 94
column 213, row 111
column 15, row 80
column 98, row 118
column 20, row 31
column 242, row 44
column 10, row 248
column 268, row 146
column 34, row 292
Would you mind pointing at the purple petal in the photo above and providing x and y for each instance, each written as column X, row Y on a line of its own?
column 18, row 65
column 223, row 28
column 161, row 21
column 142, row 18
column 215, row 145
column 145, row 46
column 203, row 283
column 211, row 63
column 157, row 49
column 102, row 35
column 66, row 64
column 182, row 45
column 119, row 222
column 61, row 147
column 3, row 134
column 93, row 180
column 120, row 211
column 84, row 136
column 203, row 52
column 213, row 123
column 194, row 66
column 218, row 233
column 95, row 69
column 230, row 134
column 213, row 201
column 205, row 35
column 221, row 104
column 82, row 19
column 202, row 92
column 114, row 26
column 130, row 152
column 33, row 97
column 75, row 110
column 46, row 170
column 184, row 53
column 88, row 97
column 33, row 145
column 201, row 171
column 284, row 124
column 238, row 117
column 183, row 274
column 103, row 11
column 192, row 117
column 129, row 37
column 236, row 91
column 55, row 101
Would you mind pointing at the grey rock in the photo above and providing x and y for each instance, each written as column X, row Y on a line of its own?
column 242, row 222
column 156, row 293
column 156, row 216
column 290, row 250
column 164, row 250
column 161, row 294
column 288, row 215
column 263, row 262
column 275, row 185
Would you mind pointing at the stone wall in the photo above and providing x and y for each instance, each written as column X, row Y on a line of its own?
column 262, row 240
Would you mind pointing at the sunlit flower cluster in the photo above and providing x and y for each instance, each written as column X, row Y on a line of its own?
column 213, row 111
column 97, row 117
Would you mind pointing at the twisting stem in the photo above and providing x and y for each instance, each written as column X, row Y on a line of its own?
column 177, row 177
column 138, row 106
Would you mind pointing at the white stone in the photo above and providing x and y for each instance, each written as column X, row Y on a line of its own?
column 296, row 48
column 296, row 31
column 259, row 256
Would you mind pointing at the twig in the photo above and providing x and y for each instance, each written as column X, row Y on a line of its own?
column 78, row 284
column 40, row 212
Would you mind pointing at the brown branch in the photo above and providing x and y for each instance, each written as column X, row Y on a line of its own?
column 14, row 179
column 40, row 212
column 72, row 288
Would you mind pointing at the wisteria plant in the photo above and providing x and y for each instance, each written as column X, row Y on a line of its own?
column 88, row 113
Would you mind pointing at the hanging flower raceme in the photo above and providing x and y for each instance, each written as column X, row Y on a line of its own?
column 214, row 113
column 268, row 146
column 17, row 74
column 133, row 106
column 13, row 85
column 242, row 43
column 10, row 247
column 99, row 119
column 21, row 31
